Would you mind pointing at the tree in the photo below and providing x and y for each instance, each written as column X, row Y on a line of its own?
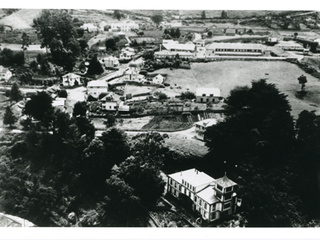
column 80, row 109
column 224, row 14
column 188, row 95
column 256, row 142
column 95, row 66
column 117, row 14
column 6, row 57
column 308, row 164
column 19, row 58
column 203, row 14
column 116, row 145
column 111, row 44
column 302, row 80
column 38, row 106
column 57, row 31
column 15, row 93
column 9, row 118
column 177, row 33
column 210, row 34
column 157, row 19
column 121, row 207
column 25, row 41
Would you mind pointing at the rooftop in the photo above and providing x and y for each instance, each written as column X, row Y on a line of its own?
column 207, row 122
column 71, row 75
column 208, row 195
column 97, row 83
column 3, row 69
column 225, row 182
column 193, row 176
column 235, row 45
column 208, row 91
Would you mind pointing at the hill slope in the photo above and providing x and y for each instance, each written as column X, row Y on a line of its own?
column 21, row 19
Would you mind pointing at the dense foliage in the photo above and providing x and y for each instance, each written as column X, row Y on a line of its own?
column 57, row 30
column 257, row 145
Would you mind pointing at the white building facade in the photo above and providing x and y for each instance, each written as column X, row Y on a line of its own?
column 212, row 198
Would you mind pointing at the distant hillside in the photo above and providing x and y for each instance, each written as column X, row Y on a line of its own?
column 21, row 19
column 230, row 13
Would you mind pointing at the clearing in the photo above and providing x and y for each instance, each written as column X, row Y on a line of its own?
column 226, row 75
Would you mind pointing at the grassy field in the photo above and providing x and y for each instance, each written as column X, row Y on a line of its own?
column 228, row 74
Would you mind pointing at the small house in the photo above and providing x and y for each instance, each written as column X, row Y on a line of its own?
column 230, row 32
column 5, row 74
column 202, row 126
column 96, row 87
column 110, row 106
column 71, row 80
column 158, row 79
column 208, row 95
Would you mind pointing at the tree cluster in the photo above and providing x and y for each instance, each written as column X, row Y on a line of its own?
column 259, row 147
column 9, row 57
column 171, row 33
column 58, row 174
column 57, row 30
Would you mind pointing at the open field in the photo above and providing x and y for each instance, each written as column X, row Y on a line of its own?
column 228, row 74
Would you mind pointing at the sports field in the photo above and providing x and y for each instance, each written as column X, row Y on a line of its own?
column 228, row 74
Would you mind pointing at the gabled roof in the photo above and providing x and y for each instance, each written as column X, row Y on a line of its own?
column 71, row 75
column 225, row 182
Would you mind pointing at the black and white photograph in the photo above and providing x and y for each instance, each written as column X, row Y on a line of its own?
column 140, row 117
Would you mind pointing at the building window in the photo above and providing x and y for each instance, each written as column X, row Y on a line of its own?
column 228, row 189
column 226, row 206
column 200, row 202
column 203, row 95
column 180, row 188
column 195, row 198
column 205, row 205
column 219, row 187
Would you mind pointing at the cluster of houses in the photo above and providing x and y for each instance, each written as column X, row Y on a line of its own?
column 112, row 26
column 211, row 198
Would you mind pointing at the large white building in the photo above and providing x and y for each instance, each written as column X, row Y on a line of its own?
column 236, row 49
column 212, row 198
column 206, row 95
column 170, row 48
column 96, row 87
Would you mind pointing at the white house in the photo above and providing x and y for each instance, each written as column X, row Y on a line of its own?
column 206, row 95
column 5, row 73
column 110, row 62
column 90, row 27
column 110, row 106
column 158, row 79
column 123, row 26
column 212, row 198
column 71, row 80
column 202, row 126
column 96, row 87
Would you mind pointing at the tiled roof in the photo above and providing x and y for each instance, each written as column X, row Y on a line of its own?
column 225, row 182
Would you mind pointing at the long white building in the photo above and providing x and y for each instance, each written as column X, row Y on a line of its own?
column 212, row 198
column 236, row 49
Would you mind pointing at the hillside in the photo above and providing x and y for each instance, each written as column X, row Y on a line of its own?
column 21, row 19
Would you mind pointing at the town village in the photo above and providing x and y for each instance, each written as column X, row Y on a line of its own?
column 169, row 74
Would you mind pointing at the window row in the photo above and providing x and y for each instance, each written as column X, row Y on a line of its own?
column 237, row 50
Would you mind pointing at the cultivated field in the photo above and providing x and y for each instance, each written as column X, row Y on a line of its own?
column 228, row 74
